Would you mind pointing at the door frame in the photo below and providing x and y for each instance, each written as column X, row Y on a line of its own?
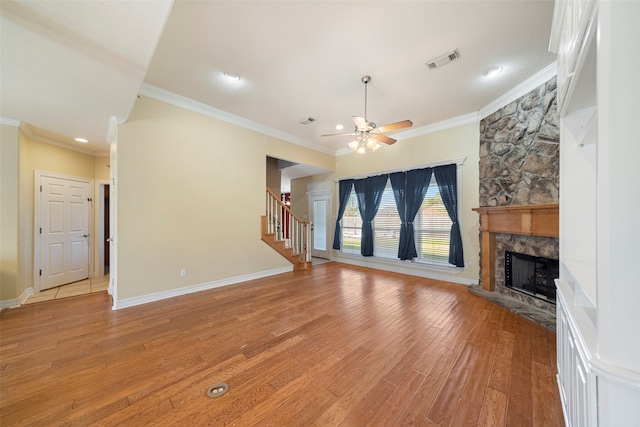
column 37, row 206
column 314, row 196
column 98, row 231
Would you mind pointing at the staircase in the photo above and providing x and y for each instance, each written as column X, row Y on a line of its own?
column 286, row 233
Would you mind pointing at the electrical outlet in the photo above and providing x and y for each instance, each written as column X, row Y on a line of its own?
column 183, row 272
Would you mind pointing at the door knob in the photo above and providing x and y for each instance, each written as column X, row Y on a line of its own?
column 86, row 235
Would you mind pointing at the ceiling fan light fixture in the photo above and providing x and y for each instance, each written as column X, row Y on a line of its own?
column 369, row 136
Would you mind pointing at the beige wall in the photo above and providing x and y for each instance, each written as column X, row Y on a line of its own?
column 440, row 146
column 9, row 160
column 190, row 195
column 274, row 176
column 101, row 168
column 299, row 200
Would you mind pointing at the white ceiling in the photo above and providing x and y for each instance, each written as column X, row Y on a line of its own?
column 68, row 66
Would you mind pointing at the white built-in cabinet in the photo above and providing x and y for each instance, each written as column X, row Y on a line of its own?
column 598, row 296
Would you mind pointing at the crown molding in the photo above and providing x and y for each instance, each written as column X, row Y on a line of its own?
column 523, row 88
column 29, row 133
column 540, row 78
column 9, row 122
column 453, row 122
column 207, row 110
column 112, row 130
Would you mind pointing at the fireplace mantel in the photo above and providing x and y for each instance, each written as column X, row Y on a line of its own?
column 533, row 220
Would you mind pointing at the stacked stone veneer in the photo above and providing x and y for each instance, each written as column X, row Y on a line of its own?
column 519, row 151
column 519, row 165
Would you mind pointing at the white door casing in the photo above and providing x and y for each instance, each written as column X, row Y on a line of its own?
column 100, row 240
column 62, row 229
column 319, row 212
column 112, row 138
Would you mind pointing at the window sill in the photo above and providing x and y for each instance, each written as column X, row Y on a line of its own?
column 414, row 268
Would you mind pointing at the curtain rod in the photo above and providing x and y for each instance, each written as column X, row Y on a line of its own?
column 459, row 161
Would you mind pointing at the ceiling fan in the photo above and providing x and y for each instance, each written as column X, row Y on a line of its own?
column 368, row 135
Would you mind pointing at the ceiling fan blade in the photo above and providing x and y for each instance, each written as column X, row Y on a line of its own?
column 340, row 134
column 361, row 123
column 385, row 139
column 395, row 126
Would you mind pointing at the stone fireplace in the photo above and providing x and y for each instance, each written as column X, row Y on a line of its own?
column 519, row 189
column 530, row 230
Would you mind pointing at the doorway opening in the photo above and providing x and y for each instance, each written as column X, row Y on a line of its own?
column 102, row 229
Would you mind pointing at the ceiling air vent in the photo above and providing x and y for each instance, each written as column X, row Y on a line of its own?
column 306, row 120
column 444, row 59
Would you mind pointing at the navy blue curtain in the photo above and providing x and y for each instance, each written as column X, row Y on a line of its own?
column 345, row 191
column 446, row 176
column 409, row 189
column 369, row 191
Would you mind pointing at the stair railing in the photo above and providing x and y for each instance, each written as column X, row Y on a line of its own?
column 287, row 227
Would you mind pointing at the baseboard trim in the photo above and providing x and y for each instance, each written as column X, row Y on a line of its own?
column 9, row 303
column 25, row 295
column 17, row 302
column 410, row 269
column 157, row 296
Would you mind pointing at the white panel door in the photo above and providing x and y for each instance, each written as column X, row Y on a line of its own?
column 64, row 231
column 319, row 207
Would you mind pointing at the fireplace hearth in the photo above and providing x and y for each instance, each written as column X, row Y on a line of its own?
column 531, row 275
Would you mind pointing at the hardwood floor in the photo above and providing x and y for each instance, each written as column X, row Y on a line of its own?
column 338, row 345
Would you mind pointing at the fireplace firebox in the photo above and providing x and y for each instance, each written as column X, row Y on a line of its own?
column 532, row 275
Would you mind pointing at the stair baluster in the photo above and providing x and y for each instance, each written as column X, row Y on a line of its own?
column 286, row 233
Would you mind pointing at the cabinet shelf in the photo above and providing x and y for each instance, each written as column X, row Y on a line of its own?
column 582, row 277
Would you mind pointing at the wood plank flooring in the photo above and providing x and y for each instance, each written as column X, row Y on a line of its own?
column 335, row 346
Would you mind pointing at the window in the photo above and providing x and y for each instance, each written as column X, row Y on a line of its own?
column 386, row 226
column 432, row 227
column 351, row 226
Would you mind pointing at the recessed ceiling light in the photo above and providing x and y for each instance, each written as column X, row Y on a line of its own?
column 82, row 140
column 339, row 127
column 231, row 76
column 493, row 71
